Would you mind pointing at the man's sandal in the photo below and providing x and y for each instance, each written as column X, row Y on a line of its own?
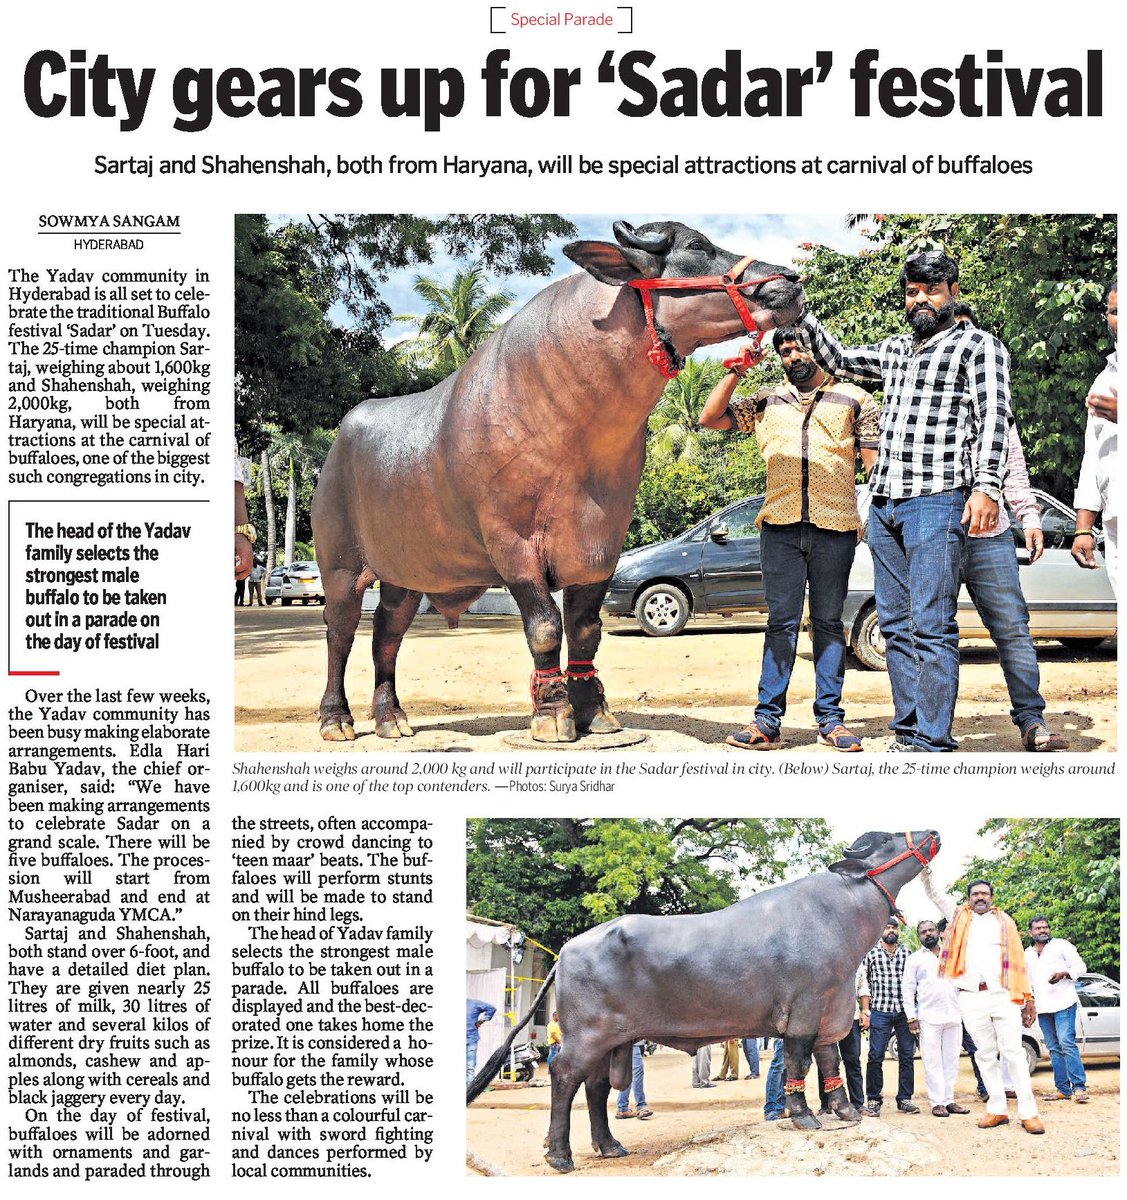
column 1038, row 738
column 751, row 737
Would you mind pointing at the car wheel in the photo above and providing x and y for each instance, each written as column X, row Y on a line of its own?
column 662, row 610
column 1082, row 645
column 287, row 601
column 868, row 641
column 1031, row 1056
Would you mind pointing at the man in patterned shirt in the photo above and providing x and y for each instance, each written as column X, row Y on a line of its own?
column 810, row 432
column 938, row 478
column 882, row 1014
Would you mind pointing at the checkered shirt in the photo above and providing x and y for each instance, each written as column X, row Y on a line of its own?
column 885, row 973
column 946, row 410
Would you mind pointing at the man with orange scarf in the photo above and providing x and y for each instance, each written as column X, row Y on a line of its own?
column 984, row 958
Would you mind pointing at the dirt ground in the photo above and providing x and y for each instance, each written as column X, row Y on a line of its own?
column 467, row 689
column 721, row 1131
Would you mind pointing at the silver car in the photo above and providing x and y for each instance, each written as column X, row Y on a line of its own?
column 302, row 581
column 1074, row 606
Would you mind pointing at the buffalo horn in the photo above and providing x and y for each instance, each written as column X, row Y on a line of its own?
column 652, row 243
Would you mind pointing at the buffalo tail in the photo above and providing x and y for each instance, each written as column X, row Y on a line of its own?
column 493, row 1064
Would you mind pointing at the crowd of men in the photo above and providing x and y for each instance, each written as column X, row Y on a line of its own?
column 971, row 985
column 944, row 460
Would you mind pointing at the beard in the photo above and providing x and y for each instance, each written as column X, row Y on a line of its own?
column 891, row 938
column 926, row 320
column 1043, row 937
column 930, row 943
column 801, row 372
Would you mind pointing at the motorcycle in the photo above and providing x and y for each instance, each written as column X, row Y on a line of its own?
column 520, row 1066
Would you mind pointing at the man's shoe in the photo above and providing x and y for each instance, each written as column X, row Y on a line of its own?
column 906, row 1106
column 1081, row 1096
column 872, row 1109
column 1010, row 1095
column 957, row 1110
column 940, row 1111
column 1033, row 1125
column 841, row 739
column 902, row 747
column 751, row 737
column 1055, row 1096
column 992, row 1120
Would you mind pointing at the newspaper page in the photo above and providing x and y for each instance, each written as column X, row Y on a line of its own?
column 452, row 449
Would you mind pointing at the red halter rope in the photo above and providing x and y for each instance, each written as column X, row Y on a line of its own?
column 913, row 851
column 727, row 282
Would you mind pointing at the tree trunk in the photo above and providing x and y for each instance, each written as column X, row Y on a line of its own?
column 291, row 514
column 271, row 518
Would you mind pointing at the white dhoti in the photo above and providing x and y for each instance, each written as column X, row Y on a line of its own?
column 939, row 1047
column 994, row 1021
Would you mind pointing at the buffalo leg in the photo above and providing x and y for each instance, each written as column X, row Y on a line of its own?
column 567, row 1074
column 796, row 1055
column 837, row 1098
column 584, row 629
column 553, row 719
column 395, row 613
column 342, row 615
column 603, row 1142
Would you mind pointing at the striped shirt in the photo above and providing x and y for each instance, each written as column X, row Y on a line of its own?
column 810, row 444
column 946, row 411
column 885, row 973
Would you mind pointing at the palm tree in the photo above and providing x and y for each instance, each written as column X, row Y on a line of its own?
column 267, row 484
column 299, row 458
column 674, row 432
column 458, row 319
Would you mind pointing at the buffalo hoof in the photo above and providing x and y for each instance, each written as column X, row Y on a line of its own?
column 846, row 1112
column 613, row 1149
column 559, row 1161
column 394, row 727
column 601, row 721
column 337, row 729
column 557, row 726
column 806, row 1120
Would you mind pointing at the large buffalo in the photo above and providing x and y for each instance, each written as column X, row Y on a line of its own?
column 521, row 469
column 781, row 963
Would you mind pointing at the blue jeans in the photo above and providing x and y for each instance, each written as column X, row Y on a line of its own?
column 636, row 1082
column 751, row 1053
column 776, row 1104
column 1059, row 1031
column 472, row 1040
column 917, row 547
column 882, row 1025
column 990, row 572
column 794, row 556
column 553, row 1050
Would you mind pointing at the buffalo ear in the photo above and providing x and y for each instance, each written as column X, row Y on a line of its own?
column 850, row 867
column 616, row 265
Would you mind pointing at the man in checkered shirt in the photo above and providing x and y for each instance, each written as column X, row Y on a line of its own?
column 943, row 439
column 882, row 1014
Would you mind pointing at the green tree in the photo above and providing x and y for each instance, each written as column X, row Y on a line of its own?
column 1036, row 281
column 296, row 365
column 459, row 317
column 1064, row 867
column 556, row 877
column 673, row 430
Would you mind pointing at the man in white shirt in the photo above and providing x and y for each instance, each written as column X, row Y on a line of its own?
column 985, row 960
column 1097, row 487
column 931, row 1005
column 1054, row 965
